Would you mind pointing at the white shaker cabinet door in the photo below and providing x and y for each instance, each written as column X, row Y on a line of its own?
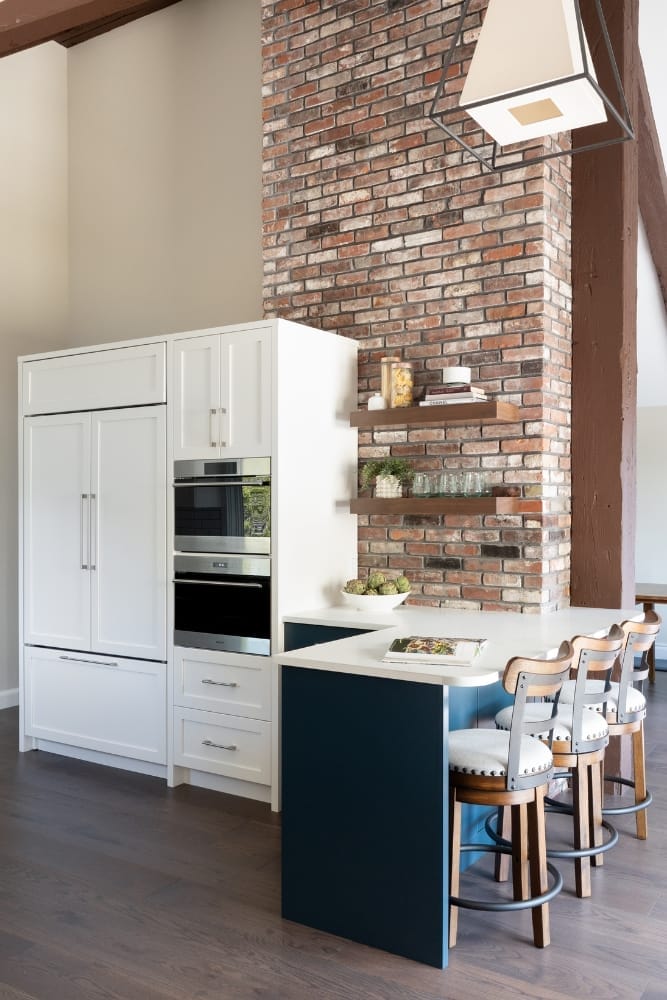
column 196, row 397
column 245, row 394
column 56, row 464
column 128, row 532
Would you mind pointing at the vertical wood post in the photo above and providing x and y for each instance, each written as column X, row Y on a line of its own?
column 604, row 356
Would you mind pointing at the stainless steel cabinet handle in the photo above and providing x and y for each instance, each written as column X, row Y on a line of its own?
column 221, row 684
column 83, row 532
column 220, row 583
column 212, row 416
column 221, row 410
column 98, row 663
column 93, row 530
column 218, row 746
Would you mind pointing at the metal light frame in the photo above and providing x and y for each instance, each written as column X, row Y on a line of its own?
column 499, row 160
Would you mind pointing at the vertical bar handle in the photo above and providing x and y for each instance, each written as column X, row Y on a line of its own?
column 83, row 558
column 93, row 531
column 212, row 415
column 221, row 410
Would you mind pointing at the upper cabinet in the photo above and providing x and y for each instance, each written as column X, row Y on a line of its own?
column 222, row 395
column 95, row 380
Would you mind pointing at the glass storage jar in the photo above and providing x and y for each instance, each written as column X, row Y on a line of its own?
column 401, row 383
column 385, row 378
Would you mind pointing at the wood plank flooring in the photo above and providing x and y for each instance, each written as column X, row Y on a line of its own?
column 113, row 887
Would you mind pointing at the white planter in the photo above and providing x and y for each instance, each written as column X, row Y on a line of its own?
column 387, row 487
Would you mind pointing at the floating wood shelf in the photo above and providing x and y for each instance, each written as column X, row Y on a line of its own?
column 437, row 505
column 491, row 412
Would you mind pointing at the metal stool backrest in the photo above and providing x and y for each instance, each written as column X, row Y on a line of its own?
column 594, row 659
column 640, row 635
column 526, row 678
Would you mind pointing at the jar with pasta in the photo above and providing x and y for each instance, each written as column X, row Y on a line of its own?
column 401, row 383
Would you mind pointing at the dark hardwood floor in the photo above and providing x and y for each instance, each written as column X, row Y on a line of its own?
column 113, row 887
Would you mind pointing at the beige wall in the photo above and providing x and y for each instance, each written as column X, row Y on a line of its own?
column 33, row 274
column 130, row 189
column 165, row 173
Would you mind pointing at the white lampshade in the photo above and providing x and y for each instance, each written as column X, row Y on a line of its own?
column 530, row 44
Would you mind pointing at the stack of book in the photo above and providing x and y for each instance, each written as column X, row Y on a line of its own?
column 433, row 649
column 437, row 395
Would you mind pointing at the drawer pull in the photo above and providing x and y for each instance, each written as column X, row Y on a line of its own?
column 97, row 663
column 221, row 684
column 218, row 746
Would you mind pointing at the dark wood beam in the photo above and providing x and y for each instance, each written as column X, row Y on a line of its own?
column 605, row 219
column 25, row 23
column 652, row 183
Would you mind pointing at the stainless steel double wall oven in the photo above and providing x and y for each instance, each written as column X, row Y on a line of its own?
column 222, row 566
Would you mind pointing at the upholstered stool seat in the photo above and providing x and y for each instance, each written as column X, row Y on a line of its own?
column 593, row 725
column 486, row 752
column 497, row 769
column 635, row 701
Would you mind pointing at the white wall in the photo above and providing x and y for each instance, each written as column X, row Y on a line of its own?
column 651, row 547
column 165, row 173
column 33, row 275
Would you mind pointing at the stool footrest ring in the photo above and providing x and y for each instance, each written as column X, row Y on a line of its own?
column 566, row 852
column 516, row 904
column 634, row 806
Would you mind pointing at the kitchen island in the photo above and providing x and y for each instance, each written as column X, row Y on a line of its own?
column 364, row 763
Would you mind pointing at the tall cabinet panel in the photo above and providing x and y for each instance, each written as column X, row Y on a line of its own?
column 128, row 532
column 197, row 392
column 56, row 530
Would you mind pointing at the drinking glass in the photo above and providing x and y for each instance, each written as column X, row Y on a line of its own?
column 421, row 484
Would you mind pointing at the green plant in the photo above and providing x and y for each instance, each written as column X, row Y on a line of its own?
column 399, row 467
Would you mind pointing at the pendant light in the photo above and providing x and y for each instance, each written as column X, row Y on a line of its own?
column 531, row 76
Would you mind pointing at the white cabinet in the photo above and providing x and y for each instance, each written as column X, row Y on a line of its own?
column 110, row 705
column 95, row 380
column 222, row 395
column 222, row 712
column 95, row 532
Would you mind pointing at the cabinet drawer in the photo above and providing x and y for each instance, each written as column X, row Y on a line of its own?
column 102, row 703
column 95, row 380
column 223, row 744
column 234, row 684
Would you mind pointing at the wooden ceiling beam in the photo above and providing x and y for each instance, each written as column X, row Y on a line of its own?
column 25, row 23
column 652, row 184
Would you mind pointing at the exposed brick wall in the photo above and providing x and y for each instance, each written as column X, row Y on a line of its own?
column 377, row 228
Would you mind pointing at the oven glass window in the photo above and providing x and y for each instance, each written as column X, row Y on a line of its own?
column 231, row 511
column 229, row 605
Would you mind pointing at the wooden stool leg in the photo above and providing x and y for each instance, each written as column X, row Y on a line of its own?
column 639, row 777
column 454, row 862
column 650, row 656
column 595, row 779
column 504, row 830
column 581, row 816
column 538, row 867
column 520, row 852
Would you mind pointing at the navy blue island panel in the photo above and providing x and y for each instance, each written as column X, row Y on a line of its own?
column 365, row 811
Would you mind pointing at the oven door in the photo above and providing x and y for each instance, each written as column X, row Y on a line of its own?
column 219, row 516
column 223, row 603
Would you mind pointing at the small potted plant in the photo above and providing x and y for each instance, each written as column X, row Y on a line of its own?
column 390, row 475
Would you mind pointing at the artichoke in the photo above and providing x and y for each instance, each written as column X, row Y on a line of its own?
column 355, row 587
column 402, row 584
column 370, row 591
column 375, row 580
column 387, row 588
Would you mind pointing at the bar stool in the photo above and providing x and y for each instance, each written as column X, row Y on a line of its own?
column 495, row 768
column 578, row 745
column 624, row 708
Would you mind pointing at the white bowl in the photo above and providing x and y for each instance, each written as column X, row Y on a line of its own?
column 379, row 603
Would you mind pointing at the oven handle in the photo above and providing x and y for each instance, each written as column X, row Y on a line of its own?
column 221, row 583
column 222, row 482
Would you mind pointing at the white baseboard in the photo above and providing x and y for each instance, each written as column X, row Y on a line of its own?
column 9, row 698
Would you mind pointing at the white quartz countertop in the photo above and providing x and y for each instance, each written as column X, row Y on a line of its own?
column 508, row 633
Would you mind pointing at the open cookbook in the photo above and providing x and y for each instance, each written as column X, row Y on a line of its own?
column 433, row 649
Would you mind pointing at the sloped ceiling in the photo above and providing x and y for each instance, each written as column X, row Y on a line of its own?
column 24, row 23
